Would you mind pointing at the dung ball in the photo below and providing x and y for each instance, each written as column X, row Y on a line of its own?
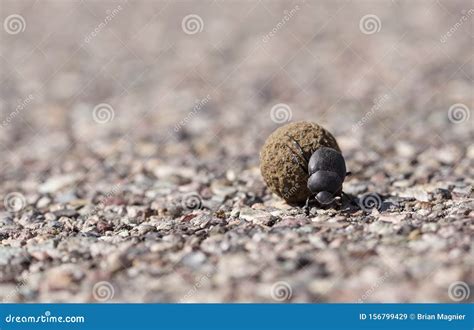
column 283, row 169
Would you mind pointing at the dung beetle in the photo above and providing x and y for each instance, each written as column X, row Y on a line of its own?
column 326, row 169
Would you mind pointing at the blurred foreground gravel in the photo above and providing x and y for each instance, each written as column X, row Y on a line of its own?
column 129, row 150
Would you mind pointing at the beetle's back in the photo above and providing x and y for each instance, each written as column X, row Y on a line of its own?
column 327, row 159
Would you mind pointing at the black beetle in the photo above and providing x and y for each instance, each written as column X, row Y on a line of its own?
column 326, row 169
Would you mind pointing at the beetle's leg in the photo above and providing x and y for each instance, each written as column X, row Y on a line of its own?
column 306, row 206
column 348, row 173
column 299, row 147
column 295, row 159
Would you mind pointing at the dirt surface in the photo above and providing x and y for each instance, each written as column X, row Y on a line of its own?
column 130, row 140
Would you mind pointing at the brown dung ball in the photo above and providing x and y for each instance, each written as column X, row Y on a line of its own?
column 281, row 172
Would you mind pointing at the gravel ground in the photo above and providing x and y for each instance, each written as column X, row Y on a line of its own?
column 130, row 141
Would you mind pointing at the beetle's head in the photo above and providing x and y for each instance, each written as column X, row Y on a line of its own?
column 325, row 185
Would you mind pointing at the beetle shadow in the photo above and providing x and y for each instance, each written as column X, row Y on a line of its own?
column 369, row 201
column 350, row 204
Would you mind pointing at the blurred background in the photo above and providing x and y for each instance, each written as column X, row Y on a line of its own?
column 127, row 104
